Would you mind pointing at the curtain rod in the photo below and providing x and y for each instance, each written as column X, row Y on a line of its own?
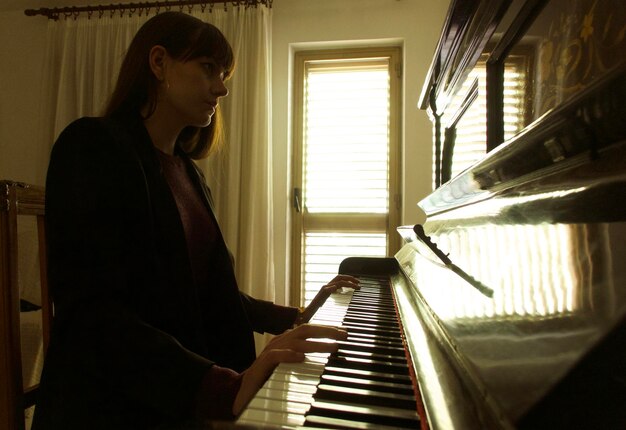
column 74, row 11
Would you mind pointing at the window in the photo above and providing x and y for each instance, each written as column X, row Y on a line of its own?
column 346, row 177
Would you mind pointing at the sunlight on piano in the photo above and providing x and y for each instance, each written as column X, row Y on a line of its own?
column 513, row 260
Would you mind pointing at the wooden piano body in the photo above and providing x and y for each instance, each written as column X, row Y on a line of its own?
column 528, row 102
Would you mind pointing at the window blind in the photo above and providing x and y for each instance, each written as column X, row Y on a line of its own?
column 347, row 139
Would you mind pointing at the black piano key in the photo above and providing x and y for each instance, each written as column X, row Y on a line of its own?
column 364, row 336
column 364, row 396
column 337, row 423
column 368, row 355
column 380, row 314
column 361, row 327
column 376, row 348
column 374, row 317
column 366, row 364
column 366, row 384
column 340, row 365
column 393, row 417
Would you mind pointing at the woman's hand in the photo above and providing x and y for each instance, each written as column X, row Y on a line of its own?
column 288, row 347
column 339, row 281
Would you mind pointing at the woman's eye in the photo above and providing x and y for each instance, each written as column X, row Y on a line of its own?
column 213, row 69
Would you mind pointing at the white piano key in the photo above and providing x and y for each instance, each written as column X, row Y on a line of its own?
column 367, row 410
column 273, row 405
column 295, row 378
column 310, row 368
column 284, row 395
column 282, row 385
column 283, row 419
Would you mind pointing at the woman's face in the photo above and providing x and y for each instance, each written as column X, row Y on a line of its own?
column 191, row 90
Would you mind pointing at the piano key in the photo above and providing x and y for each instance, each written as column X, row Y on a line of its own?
column 281, row 385
column 364, row 335
column 284, row 395
column 256, row 417
column 310, row 368
column 396, row 387
column 343, row 359
column 328, row 422
column 295, row 378
column 386, row 316
column 366, row 380
column 371, row 347
column 275, row 405
column 371, row 328
column 371, row 414
column 374, row 357
column 364, row 396
column 372, row 321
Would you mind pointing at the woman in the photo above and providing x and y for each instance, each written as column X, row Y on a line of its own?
column 150, row 328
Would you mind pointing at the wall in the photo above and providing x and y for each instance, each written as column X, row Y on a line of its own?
column 22, row 53
column 302, row 24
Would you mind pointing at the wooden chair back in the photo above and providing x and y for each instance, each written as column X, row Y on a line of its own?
column 18, row 200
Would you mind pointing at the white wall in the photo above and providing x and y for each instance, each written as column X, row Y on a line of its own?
column 296, row 24
column 301, row 24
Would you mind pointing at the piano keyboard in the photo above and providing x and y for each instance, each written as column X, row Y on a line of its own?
column 364, row 385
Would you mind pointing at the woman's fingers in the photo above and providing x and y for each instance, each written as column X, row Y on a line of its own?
column 288, row 347
column 306, row 331
column 302, row 338
column 343, row 281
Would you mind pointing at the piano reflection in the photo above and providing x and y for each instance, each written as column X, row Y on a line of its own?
column 507, row 309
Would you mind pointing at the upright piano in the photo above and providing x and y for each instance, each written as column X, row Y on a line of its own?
column 507, row 308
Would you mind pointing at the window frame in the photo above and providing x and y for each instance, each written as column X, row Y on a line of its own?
column 369, row 222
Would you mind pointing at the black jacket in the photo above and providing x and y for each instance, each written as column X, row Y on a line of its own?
column 132, row 335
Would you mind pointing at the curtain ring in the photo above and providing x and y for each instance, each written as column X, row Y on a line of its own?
column 89, row 13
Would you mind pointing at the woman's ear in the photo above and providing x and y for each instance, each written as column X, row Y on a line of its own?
column 157, row 59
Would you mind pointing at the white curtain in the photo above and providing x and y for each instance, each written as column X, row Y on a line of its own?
column 83, row 57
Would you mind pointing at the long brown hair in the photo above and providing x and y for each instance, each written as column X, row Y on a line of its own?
column 185, row 38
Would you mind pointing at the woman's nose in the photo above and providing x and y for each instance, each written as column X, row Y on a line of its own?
column 220, row 89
